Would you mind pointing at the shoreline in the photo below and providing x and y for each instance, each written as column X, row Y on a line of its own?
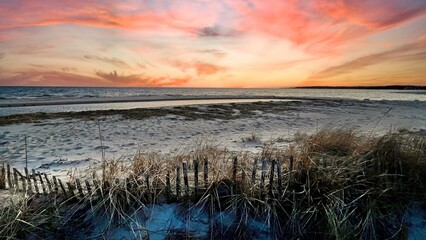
column 73, row 101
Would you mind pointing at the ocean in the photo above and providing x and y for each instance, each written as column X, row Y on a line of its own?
column 34, row 94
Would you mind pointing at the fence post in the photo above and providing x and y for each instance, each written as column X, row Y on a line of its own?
column 234, row 175
column 42, row 183
column 70, row 188
column 185, row 178
column 271, row 179
column 49, row 184
column 2, row 177
column 9, row 178
column 290, row 170
column 30, row 189
column 280, row 177
column 24, row 181
column 89, row 189
column 196, row 176
column 35, row 181
column 15, row 178
column 80, row 189
column 178, row 182
column 168, row 187
column 55, row 183
column 262, row 177
column 206, row 172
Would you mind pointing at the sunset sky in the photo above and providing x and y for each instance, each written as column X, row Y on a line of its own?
column 212, row 43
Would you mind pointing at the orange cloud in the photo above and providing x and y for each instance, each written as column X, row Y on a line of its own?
column 201, row 68
column 141, row 80
column 49, row 78
column 415, row 51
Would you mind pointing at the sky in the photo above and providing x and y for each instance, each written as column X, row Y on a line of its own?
column 212, row 43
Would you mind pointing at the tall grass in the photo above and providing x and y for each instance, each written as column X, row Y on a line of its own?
column 343, row 185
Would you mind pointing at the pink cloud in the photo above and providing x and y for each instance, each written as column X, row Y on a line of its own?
column 186, row 16
column 323, row 25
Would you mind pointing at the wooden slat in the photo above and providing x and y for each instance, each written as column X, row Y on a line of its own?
column 178, row 186
column 196, row 176
column 206, row 172
column 9, row 177
column 2, row 177
column 48, row 183
column 35, row 181
column 15, row 179
column 185, row 178
column 280, row 177
column 79, row 188
column 30, row 189
column 271, row 178
column 42, row 183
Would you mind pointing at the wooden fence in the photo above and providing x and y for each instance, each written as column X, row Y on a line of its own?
column 35, row 182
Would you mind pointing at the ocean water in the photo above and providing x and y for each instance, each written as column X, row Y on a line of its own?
column 46, row 93
column 28, row 94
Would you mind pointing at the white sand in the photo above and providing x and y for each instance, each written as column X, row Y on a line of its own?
column 61, row 145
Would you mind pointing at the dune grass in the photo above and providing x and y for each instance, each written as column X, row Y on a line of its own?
column 342, row 184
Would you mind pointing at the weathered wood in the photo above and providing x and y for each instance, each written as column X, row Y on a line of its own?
column 290, row 170
column 196, row 176
column 88, row 187
column 35, row 181
column 79, row 188
column 168, row 187
column 206, row 172
column 9, row 177
column 263, row 176
column 98, row 189
column 42, row 183
column 280, row 177
column 63, row 187
column 2, row 177
column 271, row 179
column 178, row 181
column 55, row 183
column 185, row 178
column 30, row 189
column 48, row 183
column 24, row 181
column 234, row 169
column 70, row 189
column 253, row 174
column 15, row 179
column 299, row 171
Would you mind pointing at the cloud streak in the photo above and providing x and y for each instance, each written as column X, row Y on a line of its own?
column 141, row 80
column 113, row 61
column 415, row 51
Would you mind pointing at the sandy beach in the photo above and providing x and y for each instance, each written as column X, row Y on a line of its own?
column 63, row 144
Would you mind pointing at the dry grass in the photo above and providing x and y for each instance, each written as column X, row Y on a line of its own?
column 341, row 185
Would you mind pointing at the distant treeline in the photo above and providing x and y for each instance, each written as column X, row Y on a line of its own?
column 392, row 87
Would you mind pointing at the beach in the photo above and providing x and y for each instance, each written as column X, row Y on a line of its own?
column 61, row 144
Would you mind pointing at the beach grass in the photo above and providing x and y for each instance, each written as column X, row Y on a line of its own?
column 339, row 184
